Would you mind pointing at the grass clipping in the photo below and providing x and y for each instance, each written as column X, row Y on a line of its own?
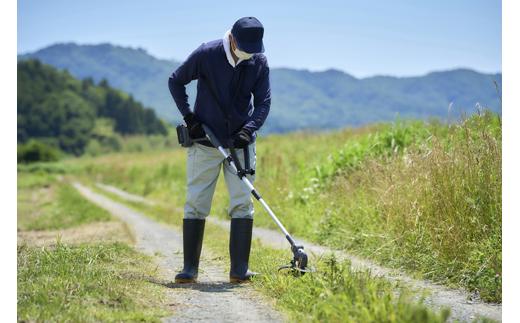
column 103, row 282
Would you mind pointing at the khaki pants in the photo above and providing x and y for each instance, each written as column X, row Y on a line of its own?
column 203, row 169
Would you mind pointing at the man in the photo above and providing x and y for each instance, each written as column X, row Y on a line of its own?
column 233, row 100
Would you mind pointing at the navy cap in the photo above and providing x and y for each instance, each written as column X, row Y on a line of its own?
column 248, row 33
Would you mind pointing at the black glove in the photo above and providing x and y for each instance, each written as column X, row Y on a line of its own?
column 194, row 126
column 242, row 138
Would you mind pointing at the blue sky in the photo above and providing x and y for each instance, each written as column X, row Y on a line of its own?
column 364, row 38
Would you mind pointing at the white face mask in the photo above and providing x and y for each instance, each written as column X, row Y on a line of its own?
column 242, row 55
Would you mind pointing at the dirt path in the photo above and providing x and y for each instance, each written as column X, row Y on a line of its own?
column 213, row 298
column 463, row 306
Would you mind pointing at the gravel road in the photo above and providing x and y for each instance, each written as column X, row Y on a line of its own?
column 213, row 298
column 464, row 307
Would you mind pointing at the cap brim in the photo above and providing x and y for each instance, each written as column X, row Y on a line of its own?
column 251, row 48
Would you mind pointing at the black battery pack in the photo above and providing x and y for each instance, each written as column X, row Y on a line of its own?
column 183, row 136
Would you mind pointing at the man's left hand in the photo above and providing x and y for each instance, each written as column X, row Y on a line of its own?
column 242, row 138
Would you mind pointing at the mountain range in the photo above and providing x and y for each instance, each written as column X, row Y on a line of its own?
column 302, row 99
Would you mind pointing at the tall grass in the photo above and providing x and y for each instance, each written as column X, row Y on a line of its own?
column 445, row 206
column 436, row 210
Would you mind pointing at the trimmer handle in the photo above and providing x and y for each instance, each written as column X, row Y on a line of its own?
column 211, row 136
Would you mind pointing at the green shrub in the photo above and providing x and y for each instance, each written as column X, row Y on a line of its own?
column 36, row 151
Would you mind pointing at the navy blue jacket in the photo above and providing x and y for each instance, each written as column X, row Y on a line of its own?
column 244, row 91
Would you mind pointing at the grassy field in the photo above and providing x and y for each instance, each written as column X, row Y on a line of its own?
column 45, row 203
column 84, row 281
column 421, row 196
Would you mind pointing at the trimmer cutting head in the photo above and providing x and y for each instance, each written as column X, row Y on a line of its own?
column 299, row 262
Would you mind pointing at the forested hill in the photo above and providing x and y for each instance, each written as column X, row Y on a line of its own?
column 62, row 111
column 301, row 99
column 131, row 70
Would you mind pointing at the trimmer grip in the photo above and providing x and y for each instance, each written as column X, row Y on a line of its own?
column 211, row 136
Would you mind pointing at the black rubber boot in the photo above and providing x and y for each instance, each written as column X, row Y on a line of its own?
column 192, row 233
column 239, row 248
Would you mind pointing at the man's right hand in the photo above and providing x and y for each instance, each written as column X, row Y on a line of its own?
column 194, row 126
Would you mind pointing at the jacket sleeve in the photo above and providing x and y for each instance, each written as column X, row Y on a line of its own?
column 187, row 72
column 262, row 100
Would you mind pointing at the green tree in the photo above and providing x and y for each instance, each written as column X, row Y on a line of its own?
column 56, row 108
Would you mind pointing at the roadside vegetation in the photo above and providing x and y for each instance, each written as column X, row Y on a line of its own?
column 55, row 206
column 76, row 282
column 334, row 293
column 86, row 283
column 435, row 210
column 420, row 196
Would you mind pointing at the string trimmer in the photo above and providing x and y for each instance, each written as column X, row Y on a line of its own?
column 299, row 262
